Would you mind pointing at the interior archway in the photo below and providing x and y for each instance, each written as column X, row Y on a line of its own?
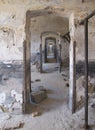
column 30, row 40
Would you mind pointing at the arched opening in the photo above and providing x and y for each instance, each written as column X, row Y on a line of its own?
column 50, row 49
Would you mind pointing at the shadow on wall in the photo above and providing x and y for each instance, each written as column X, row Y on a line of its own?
column 80, row 68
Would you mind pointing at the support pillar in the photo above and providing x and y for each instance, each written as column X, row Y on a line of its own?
column 72, row 82
column 27, row 77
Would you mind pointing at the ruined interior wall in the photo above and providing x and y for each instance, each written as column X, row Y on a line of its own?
column 65, row 52
column 79, row 36
column 11, row 32
column 13, row 18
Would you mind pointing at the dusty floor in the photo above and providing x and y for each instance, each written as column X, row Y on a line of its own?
column 54, row 112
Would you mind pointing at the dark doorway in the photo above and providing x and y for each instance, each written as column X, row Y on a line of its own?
column 50, row 50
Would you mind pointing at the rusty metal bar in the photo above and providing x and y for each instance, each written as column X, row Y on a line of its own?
column 74, row 79
column 60, row 58
column 86, row 72
column 41, row 58
column 88, row 17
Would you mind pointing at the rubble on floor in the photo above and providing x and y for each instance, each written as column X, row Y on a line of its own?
column 34, row 114
column 11, row 76
column 10, row 102
column 38, row 94
column 14, row 126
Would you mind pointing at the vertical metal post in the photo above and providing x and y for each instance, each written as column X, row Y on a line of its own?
column 60, row 58
column 45, row 54
column 74, row 89
column 86, row 73
column 41, row 58
column 55, row 51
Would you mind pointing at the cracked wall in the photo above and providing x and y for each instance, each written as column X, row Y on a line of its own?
column 13, row 18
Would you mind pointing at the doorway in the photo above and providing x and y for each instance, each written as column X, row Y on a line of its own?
column 34, row 39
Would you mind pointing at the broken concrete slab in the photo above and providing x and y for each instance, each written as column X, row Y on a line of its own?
column 38, row 88
column 38, row 96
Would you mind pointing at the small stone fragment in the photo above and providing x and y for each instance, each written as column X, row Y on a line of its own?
column 34, row 114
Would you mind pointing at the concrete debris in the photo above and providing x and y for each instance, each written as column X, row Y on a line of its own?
column 38, row 88
column 3, row 108
column 38, row 94
column 2, row 98
column 16, row 126
column 4, row 116
column 8, row 103
column 17, row 96
column 34, row 114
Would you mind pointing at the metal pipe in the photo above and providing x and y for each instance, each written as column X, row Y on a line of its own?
column 86, row 73
column 41, row 58
column 88, row 17
column 60, row 58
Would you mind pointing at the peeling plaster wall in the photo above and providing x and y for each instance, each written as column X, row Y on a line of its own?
column 13, row 17
column 79, row 36
column 12, row 34
column 65, row 52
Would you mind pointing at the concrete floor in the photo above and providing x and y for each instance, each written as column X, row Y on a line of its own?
column 54, row 112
